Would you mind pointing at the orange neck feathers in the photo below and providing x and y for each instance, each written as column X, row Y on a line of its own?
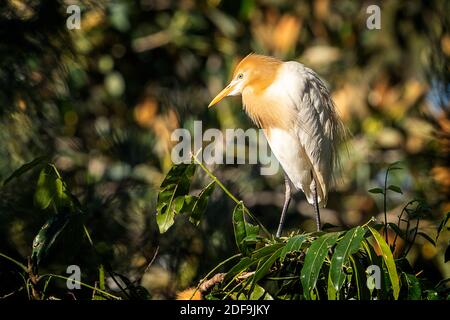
column 265, row 112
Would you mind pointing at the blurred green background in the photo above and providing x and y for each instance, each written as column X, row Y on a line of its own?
column 102, row 102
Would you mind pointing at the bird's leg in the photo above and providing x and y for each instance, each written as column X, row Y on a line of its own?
column 287, row 200
column 316, row 202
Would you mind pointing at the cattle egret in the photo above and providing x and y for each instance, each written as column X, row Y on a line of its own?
column 295, row 110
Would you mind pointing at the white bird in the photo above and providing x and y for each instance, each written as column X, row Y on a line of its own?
column 295, row 110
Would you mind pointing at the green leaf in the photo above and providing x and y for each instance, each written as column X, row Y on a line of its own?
column 50, row 188
column 200, row 204
column 427, row 237
column 25, row 168
column 257, row 293
column 171, row 197
column 392, row 166
column 101, row 283
column 47, row 236
column 265, row 267
column 376, row 190
column 442, row 224
column 253, row 239
column 314, row 259
column 395, row 189
column 413, row 286
column 432, row 295
column 347, row 246
column 360, row 278
column 266, row 250
column 388, row 260
column 293, row 244
column 241, row 266
column 243, row 229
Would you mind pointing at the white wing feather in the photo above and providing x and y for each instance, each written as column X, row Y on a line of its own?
column 318, row 126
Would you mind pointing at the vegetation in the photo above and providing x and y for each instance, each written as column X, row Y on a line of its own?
column 86, row 177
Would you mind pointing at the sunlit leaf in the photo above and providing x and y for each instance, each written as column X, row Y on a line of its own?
column 314, row 259
column 348, row 245
column 389, row 262
column 101, row 283
column 50, row 188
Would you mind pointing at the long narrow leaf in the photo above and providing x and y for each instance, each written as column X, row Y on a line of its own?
column 349, row 244
column 293, row 244
column 265, row 267
column 314, row 259
column 388, row 261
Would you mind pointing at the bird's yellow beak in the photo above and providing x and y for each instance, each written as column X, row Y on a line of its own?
column 222, row 94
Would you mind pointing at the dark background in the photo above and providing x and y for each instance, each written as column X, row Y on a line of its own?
column 103, row 101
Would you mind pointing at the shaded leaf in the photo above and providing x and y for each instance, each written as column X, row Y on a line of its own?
column 293, row 244
column 376, row 190
column 47, row 236
column 171, row 197
column 266, row 250
column 327, row 225
column 431, row 295
column 243, row 229
column 360, row 278
column 397, row 230
column 442, row 224
column 427, row 237
column 241, row 266
column 395, row 189
column 200, row 204
column 413, row 286
column 25, row 168
column 265, row 267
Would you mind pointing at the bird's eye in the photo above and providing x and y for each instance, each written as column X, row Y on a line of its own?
column 240, row 76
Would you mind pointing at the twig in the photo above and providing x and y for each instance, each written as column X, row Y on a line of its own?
column 207, row 284
column 229, row 194
column 153, row 259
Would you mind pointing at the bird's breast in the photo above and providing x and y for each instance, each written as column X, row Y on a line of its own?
column 267, row 111
column 291, row 155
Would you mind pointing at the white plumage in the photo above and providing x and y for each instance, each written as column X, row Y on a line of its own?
column 311, row 143
column 294, row 108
